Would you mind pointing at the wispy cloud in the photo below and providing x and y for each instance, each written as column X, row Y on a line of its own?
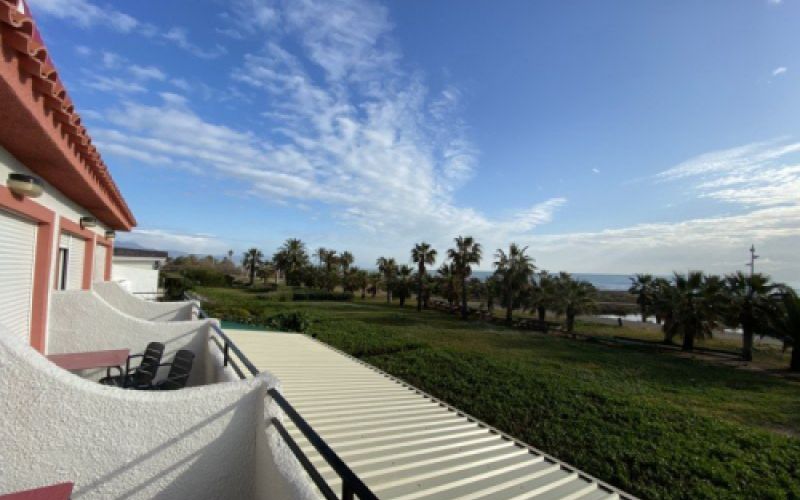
column 349, row 126
column 179, row 37
column 757, row 174
column 779, row 70
column 163, row 239
column 114, row 84
column 86, row 14
column 147, row 73
column 596, row 170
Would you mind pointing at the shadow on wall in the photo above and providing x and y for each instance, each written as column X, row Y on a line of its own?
column 127, row 303
column 81, row 321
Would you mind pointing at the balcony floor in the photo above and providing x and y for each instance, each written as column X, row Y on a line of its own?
column 401, row 443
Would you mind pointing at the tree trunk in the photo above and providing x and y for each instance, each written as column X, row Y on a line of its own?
column 747, row 341
column 363, row 292
column 688, row 341
column 570, row 321
column 252, row 275
column 464, row 297
column 542, row 312
column 643, row 310
column 795, row 365
column 509, row 304
column 419, row 288
column 402, row 301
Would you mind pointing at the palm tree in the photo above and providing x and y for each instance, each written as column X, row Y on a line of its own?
column 291, row 258
column 494, row 289
column 642, row 286
column 388, row 268
column 401, row 284
column 446, row 276
column 573, row 297
column 265, row 270
column 695, row 307
column 345, row 261
column 785, row 324
column 541, row 294
column 750, row 305
column 513, row 269
column 374, row 282
column 359, row 280
column 321, row 253
column 251, row 261
column 466, row 253
column 422, row 254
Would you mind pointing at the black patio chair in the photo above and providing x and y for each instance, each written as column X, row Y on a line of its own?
column 179, row 371
column 143, row 375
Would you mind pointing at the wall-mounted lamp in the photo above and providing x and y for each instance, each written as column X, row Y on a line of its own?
column 110, row 234
column 25, row 185
column 88, row 222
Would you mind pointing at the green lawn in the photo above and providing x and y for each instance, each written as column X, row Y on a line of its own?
column 656, row 425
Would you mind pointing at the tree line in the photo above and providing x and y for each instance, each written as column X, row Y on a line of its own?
column 687, row 306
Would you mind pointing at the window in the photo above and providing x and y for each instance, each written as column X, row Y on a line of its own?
column 63, row 263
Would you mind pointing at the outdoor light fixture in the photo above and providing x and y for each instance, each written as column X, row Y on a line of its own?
column 24, row 185
column 88, row 222
column 110, row 234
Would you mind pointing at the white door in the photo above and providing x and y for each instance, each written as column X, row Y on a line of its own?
column 76, row 250
column 17, row 254
column 99, row 263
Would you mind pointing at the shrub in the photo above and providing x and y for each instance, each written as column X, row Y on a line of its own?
column 317, row 295
column 290, row 322
column 207, row 277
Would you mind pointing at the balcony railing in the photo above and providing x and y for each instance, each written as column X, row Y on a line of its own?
column 352, row 485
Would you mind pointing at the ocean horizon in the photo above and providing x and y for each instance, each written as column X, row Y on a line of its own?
column 608, row 282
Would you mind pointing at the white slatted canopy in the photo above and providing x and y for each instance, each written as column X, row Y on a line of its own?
column 17, row 256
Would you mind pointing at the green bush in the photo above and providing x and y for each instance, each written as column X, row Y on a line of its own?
column 289, row 322
column 318, row 295
column 204, row 276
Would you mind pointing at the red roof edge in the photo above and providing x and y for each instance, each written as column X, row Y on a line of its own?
column 39, row 124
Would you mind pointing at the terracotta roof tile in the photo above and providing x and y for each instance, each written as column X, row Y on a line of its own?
column 18, row 31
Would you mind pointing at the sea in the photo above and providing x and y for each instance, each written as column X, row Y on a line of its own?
column 611, row 282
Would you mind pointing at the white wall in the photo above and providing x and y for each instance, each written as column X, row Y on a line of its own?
column 81, row 321
column 138, row 273
column 202, row 443
column 132, row 305
column 53, row 200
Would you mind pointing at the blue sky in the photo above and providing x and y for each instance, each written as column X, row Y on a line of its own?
column 608, row 137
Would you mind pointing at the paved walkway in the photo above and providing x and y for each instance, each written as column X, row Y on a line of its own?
column 403, row 444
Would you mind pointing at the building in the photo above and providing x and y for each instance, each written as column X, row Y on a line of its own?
column 137, row 270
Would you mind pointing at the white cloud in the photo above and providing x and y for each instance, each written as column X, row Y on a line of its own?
column 181, row 84
column 113, row 84
column 179, row 36
column 83, row 50
column 111, row 59
column 147, row 73
column 779, row 70
column 86, row 14
column 596, row 170
column 161, row 239
column 758, row 174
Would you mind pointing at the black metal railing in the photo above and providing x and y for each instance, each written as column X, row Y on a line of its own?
column 352, row 485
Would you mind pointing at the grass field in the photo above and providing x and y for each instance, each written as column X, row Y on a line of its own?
column 656, row 425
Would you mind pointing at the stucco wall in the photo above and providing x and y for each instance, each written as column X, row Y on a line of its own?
column 205, row 442
column 52, row 199
column 139, row 274
column 81, row 321
column 132, row 305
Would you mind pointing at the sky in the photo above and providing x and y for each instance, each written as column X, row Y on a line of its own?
column 608, row 137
